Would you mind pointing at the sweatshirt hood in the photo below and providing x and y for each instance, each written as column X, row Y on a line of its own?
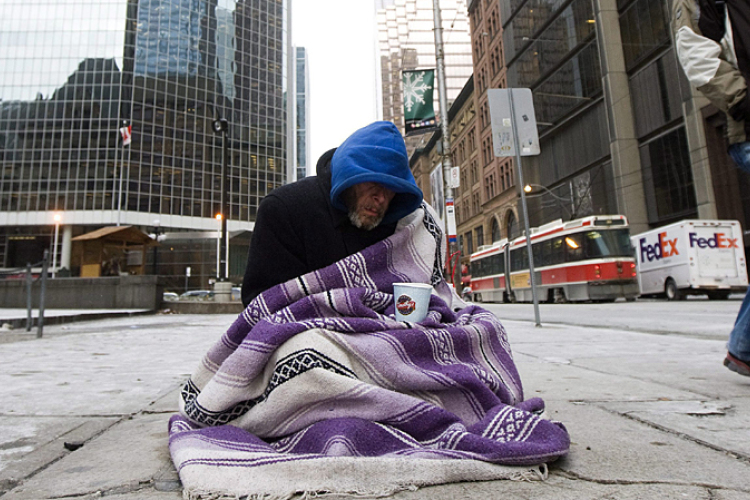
column 376, row 153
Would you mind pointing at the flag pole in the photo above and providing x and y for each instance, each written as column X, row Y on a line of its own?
column 122, row 171
column 119, row 191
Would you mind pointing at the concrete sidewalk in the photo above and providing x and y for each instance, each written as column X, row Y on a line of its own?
column 16, row 319
column 650, row 416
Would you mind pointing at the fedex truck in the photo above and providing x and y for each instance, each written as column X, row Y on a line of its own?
column 691, row 257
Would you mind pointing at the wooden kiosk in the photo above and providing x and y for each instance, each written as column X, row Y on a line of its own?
column 112, row 251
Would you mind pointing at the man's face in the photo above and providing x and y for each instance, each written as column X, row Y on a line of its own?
column 367, row 203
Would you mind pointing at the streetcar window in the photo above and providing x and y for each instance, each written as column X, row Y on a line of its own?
column 574, row 248
column 495, row 264
column 557, row 252
column 519, row 259
column 538, row 257
column 614, row 243
column 475, row 272
column 545, row 253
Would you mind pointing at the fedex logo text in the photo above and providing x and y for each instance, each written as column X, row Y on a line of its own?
column 661, row 249
column 719, row 240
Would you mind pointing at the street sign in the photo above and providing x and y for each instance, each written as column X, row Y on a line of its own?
column 451, row 216
column 502, row 124
column 456, row 177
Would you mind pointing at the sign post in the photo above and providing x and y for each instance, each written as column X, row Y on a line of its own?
column 514, row 133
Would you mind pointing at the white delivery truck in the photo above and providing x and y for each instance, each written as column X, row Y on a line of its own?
column 692, row 257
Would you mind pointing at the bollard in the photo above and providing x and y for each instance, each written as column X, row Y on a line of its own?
column 29, row 285
column 40, row 323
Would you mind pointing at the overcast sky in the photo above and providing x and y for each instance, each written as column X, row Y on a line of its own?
column 340, row 38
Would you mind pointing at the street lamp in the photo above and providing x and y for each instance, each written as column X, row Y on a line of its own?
column 157, row 226
column 219, row 219
column 221, row 126
column 528, row 188
column 57, row 217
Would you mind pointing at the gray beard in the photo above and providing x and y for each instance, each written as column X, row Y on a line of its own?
column 357, row 221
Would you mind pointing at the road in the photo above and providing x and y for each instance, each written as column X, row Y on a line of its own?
column 696, row 317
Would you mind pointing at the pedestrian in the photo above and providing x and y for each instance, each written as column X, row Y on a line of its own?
column 712, row 39
column 361, row 190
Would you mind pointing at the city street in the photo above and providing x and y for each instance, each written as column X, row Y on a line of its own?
column 696, row 316
column 640, row 386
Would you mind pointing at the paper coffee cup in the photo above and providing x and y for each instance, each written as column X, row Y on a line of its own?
column 412, row 301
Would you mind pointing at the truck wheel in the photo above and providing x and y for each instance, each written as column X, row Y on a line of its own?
column 671, row 291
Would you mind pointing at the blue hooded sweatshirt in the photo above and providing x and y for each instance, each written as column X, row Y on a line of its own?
column 376, row 153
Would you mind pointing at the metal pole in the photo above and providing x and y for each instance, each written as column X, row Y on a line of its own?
column 443, row 99
column 525, row 209
column 157, row 226
column 119, row 190
column 40, row 323
column 218, row 251
column 54, row 248
column 29, row 285
column 224, row 209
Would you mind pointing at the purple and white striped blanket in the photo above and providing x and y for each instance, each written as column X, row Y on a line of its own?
column 316, row 389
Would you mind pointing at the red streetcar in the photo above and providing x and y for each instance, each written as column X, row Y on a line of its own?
column 579, row 260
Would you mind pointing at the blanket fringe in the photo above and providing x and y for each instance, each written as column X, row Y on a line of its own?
column 299, row 495
column 538, row 473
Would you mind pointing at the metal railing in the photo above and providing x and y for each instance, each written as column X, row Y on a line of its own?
column 30, row 280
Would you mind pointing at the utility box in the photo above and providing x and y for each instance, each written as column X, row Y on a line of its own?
column 692, row 257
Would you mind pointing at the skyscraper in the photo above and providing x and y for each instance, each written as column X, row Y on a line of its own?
column 302, row 88
column 407, row 41
column 74, row 75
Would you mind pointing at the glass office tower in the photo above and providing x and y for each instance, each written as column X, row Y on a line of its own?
column 75, row 73
column 302, row 85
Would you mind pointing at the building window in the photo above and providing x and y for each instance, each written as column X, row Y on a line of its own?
column 511, row 226
column 644, row 27
column 480, row 236
column 667, row 173
column 496, row 236
column 489, row 186
column 469, row 243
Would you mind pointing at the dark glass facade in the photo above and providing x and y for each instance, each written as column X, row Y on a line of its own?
column 657, row 86
column 73, row 75
column 552, row 47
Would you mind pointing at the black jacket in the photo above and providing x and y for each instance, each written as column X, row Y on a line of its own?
column 298, row 231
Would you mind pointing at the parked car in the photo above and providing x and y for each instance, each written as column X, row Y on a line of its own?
column 170, row 296
column 197, row 295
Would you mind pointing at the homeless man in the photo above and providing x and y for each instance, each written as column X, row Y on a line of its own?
column 316, row 388
column 360, row 192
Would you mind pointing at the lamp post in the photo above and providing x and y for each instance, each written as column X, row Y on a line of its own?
column 157, row 226
column 57, row 217
column 221, row 126
column 528, row 188
column 219, row 219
